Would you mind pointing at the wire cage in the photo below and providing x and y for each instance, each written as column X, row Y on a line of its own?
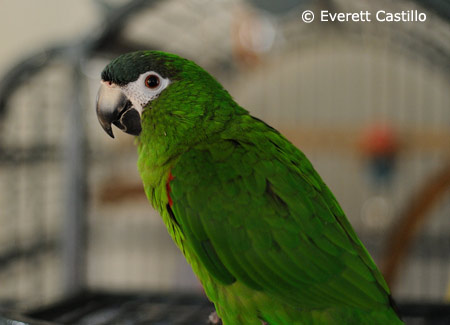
column 368, row 103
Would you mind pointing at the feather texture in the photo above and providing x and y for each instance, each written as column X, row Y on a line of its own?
column 274, row 227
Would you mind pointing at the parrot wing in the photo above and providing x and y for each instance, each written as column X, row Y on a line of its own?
column 257, row 212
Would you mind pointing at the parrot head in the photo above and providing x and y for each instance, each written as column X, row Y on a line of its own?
column 137, row 82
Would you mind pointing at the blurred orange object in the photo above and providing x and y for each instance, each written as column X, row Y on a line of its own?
column 380, row 145
column 380, row 140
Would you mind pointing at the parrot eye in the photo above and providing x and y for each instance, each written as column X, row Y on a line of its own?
column 152, row 81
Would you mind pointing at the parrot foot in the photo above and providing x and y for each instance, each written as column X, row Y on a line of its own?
column 214, row 319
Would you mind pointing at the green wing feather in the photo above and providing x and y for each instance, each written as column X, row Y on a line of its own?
column 254, row 210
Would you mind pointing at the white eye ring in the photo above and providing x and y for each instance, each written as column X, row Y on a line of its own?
column 145, row 89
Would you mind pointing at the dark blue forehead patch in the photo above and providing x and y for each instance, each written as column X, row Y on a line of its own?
column 128, row 67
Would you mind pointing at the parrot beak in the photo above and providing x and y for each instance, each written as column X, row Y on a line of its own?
column 113, row 107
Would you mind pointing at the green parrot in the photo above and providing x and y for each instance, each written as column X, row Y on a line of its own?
column 261, row 230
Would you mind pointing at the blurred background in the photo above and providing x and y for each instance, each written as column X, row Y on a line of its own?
column 368, row 103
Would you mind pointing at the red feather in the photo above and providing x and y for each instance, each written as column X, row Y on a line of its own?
column 169, row 179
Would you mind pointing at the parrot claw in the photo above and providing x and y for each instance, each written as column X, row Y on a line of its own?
column 214, row 319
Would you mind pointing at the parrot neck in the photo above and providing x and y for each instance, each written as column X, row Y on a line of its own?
column 170, row 126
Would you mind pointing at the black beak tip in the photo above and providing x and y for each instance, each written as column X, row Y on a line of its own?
column 106, row 125
column 110, row 132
